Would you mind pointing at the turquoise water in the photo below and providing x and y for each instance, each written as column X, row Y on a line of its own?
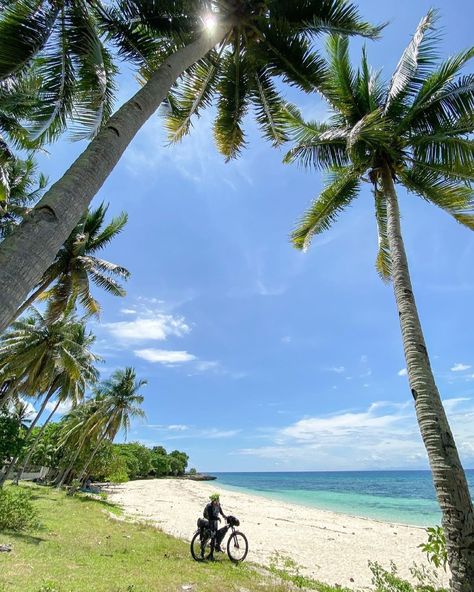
column 406, row 497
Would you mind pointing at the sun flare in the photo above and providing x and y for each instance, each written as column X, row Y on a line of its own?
column 210, row 22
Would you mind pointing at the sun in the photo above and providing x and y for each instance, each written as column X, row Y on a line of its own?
column 210, row 22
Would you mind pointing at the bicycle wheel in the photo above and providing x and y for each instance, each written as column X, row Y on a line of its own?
column 200, row 547
column 237, row 546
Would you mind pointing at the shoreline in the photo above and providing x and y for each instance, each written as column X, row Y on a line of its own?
column 330, row 547
column 268, row 496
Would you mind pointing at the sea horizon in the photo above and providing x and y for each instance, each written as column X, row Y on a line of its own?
column 405, row 496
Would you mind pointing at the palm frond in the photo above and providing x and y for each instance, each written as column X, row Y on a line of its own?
column 95, row 85
column 320, row 146
column 339, row 87
column 434, row 85
column 416, row 60
column 285, row 54
column 232, row 105
column 112, row 229
column 454, row 102
column 443, row 149
column 195, row 91
column 269, row 108
column 383, row 262
column 333, row 16
column 371, row 133
column 57, row 92
column 341, row 189
column 25, row 26
column 453, row 197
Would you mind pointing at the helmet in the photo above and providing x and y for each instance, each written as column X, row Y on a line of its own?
column 214, row 497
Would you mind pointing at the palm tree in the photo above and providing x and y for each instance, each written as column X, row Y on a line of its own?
column 20, row 188
column 412, row 132
column 62, row 43
column 73, row 379
column 46, row 358
column 274, row 33
column 120, row 401
column 81, row 426
column 76, row 265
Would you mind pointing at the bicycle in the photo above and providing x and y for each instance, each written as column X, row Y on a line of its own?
column 204, row 541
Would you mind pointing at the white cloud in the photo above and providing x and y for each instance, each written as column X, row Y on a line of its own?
column 62, row 409
column 337, row 369
column 460, row 367
column 203, row 366
column 164, row 356
column 179, row 432
column 384, row 436
column 128, row 311
column 156, row 327
column 215, row 433
column 402, row 372
column 178, row 427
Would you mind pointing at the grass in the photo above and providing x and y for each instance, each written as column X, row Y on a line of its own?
column 81, row 548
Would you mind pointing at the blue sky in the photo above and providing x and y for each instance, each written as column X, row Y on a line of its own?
column 259, row 357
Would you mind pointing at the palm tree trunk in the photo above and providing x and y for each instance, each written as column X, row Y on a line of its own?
column 27, row 252
column 29, row 301
column 449, row 478
column 14, row 462
column 35, row 443
column 62, row 478
column 88, row 463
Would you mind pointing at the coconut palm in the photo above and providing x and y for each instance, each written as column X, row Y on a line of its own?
column 276, row 34
column 76, row 266
column 45, row 359
column 120, row 402
column 413, row 132
column 73, row 380
column 82, row 425
column 20, row 188
column 62, row 42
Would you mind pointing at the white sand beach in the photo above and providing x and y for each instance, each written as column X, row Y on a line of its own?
column 333, row 548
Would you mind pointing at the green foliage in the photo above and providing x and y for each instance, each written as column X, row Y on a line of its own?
column 435, row 547
column 415, row 129
column 389, row 581
column 288, row 570
column 11, row 438
column 160, row 464
column 77, row 266
column 178, row 462
column 17, row 512
column 138, row 459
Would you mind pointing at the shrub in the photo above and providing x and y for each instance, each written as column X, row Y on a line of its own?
column 389, row 581
column 435, row 547
column 16, row 510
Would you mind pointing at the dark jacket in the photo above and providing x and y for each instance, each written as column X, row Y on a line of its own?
column 212, row 512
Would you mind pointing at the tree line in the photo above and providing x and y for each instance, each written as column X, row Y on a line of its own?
column 57, row 71
column 116, row 463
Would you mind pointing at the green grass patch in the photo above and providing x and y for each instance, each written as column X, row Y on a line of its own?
column 80, row 548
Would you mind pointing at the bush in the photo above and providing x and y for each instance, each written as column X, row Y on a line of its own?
column 16, row 510
column 435, row 548
column 389, row 581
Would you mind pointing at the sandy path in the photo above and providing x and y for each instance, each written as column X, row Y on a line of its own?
column 333, row 548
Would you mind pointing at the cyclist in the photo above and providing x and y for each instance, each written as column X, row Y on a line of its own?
column 212, row 512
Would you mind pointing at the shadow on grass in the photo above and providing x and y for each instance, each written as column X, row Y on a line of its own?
column 24, row 537
column 97, row 500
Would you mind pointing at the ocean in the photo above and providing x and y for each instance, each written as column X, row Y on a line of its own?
column 406, row 497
